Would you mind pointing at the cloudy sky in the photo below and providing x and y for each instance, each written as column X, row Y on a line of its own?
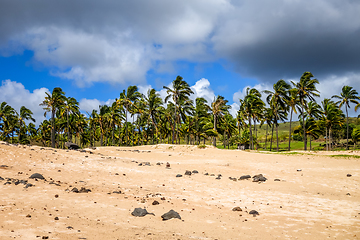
column 95, row 49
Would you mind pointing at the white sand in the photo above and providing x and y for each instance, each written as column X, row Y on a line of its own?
column 308, row 204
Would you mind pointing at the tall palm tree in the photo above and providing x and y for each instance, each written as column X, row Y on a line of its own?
column 200, row 113
column 218, row 108
column 51, row 104
column 127, row 99
column 179, row 92
column 277, row 100
column 306, row 89
column 71, row 106
column 292, row 102
column 348, row 95
column 103, row 117
column 251, row 105
column 25, row 114
column 153, row 104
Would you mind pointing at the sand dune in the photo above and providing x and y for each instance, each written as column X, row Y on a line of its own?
column 318, row 202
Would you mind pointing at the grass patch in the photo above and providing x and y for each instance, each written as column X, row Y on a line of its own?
column 202, row 146
column 344, row 156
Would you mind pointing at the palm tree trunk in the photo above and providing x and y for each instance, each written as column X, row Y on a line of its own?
column 173, row 129
column 303, row 120
column 112, row 135
column 68, row 125
column 277, row 137
column 310, row 142
column 290, row 129
column 53, row 128
column 271, row 139
column 347, row 128
column 251, row 137
column 326, row 139
column 214, row 140
column 126, row 125
column 267, row 126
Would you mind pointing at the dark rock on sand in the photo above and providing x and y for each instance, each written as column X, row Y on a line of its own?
column 1, row 179
column 84, row 190
column 117, row 192
column 218, row 177
column 169, row 215
column 348, row 175
column 244, row 177
column 72, row 146
column 167, row 165
column 155, row 203
column 29, row 185
column 277, row 180
column 206, row 174
column 195, row 171
column 259, row 178
column 187, row 172
column 178, row 175
column 254, row 213
column 37, row 176
column 75, row 190
column 139, row 212
column 237, row 209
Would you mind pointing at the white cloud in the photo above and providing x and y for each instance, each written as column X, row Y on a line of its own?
column 202, row 89
column 16, row 95
column 88, row 105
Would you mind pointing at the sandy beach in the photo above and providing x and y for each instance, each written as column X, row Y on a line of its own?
column 305, row 196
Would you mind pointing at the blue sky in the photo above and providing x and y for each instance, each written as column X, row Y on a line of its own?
column 93, row 50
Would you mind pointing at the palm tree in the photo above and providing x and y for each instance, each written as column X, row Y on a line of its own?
column 218, row 108
column 292, row 102
column 278, row 101
column 306, row 89
column 251, row 105
column 355, row 136
column 71, row 106
column 180, row 93
column 127, row 99
column 153, row 104
column 314, row 112
column 200, row 113
column 332, row 116
column 347, row 96
column 52, row 103
column 7, row 113
column 103, row 117
column 25, row 114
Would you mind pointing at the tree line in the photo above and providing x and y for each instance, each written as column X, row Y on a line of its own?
column 178, row 118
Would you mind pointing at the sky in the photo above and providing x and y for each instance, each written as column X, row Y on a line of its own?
column 95, row 49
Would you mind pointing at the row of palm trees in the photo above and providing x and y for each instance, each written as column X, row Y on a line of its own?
column 178, row 117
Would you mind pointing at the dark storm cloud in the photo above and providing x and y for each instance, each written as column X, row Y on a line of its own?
column 120, row 41
column 270, row 40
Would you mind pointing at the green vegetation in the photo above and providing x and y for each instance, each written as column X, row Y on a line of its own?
column 344, row 156
column 140, row 119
